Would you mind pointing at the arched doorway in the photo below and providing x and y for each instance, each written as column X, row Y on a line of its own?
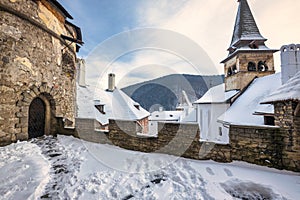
column 37, row 118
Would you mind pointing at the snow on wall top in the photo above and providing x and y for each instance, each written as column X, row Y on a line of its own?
column 289, row 91
column 117, row 105
column 241, row 111
column 166, row 115
column 245, row 27
column 217, row 94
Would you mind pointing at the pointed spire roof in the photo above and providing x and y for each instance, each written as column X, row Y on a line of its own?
column 246, row 35
column 245, row 27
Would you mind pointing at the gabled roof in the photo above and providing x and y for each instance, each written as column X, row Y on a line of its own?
column 117, row 105
column 242, row 110
column 289, row 91
column 245, row 27
column 217, row 94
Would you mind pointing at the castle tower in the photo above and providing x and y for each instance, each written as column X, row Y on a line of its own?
column 248, row 57
column 38, row 46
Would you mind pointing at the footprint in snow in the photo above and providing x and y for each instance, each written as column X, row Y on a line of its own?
column 228, row 172
column 209, row 170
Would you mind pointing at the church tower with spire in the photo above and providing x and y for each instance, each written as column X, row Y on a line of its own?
column 248, row 57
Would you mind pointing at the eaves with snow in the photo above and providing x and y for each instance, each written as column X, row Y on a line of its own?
column 242, row 110
column 116, row 105
column 289, row 91
column 217, row 94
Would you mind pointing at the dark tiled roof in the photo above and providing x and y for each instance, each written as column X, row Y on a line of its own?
column 245, row 27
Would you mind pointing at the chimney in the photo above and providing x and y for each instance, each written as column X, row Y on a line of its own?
column 81, row 72
column 290, row 61
column 111, row 82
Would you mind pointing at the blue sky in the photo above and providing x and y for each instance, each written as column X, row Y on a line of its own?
column 207, row 23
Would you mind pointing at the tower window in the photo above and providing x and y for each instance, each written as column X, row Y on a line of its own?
column 229, row 72
column 262, row 67
column 253, row 46
column 234, row 70
column 251, row 66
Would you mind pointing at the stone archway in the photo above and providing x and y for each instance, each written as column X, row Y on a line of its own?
column 37, row 118
column 36, row 105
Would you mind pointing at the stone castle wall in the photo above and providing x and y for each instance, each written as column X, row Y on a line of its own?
column 258, row 145
column 172, row 138
column 34, row 62
column 286, row 118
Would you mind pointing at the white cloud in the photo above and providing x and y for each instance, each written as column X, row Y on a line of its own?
column 208, row 23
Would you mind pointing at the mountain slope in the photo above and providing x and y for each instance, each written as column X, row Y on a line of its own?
column 166, row 91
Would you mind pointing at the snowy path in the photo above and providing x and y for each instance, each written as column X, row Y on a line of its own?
column 69, row 168
column 64, row 166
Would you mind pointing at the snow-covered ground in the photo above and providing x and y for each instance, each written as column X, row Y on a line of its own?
column 69, row 168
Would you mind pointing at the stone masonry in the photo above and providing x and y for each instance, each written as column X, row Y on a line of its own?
column 173, row 138
column 34, row 62
column 286, row 116
column 258, row 145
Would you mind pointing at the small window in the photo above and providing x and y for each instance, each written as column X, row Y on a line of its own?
column 171, row 115
column 229, row 72
column 201, row 118
column 269, row 120
column 297, row 110
column 100, row 108
column 220, row 131
column 137, row 106
column 156, row 115
column 209, row 117
column 262, row 67
column 251, row 66
column 234, row 70
column 253, row 46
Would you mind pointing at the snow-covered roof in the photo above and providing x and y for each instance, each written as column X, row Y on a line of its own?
column 166, row 115
column 191, row 117
column 289, row 91
column 117, row 105
column 217, row 94
column 242, row 110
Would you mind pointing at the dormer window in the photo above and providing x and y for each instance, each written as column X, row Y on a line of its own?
column 137, row 106
column 100, row 108
column 253, row 46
